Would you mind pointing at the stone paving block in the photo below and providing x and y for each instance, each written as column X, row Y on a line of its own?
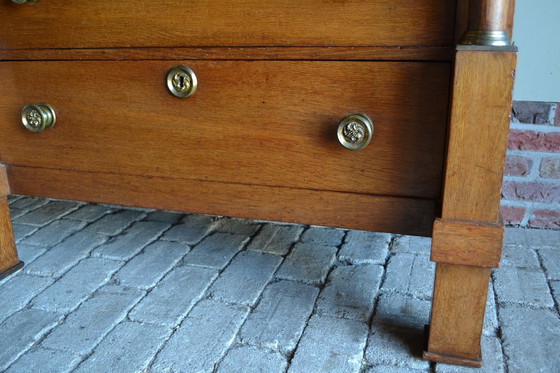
column 280, row 317
column 244, row 279
column 532, row 238
column 522, row 286
column 29, row 253
column 276, row 238
column 47, row 213
column 411, row 275
column 84, row 328
column 323, row 236
column 551, row 262
column 119, row 351
column 76, row 285
column 63, row 256
column 89, row 213
column 402, row 310
column 350, row 292
column 393, row 369
column 530, row 339
column 169, row 217
column 365, row 247
column 245, row 227
column 23, row 230
column 18, row 291
column 21, row 330
column 216, row 251
column 555, row 286
column 520, row 257
column 491, row 325
column 147, row 268
column 132, row 241
column 492, row 359
column 252, row 359
column 28, row 203
column 203, row 338
column 41, row 360
column 396, row 345
column 16, row 213
column 54, row 232
column 174, row 296
column 113, row 224
column 309, row 263
column 193, row 229
column 412, row 245
column 13, row 197
column 330, row 345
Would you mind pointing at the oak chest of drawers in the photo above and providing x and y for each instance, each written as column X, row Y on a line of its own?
column 274, row 89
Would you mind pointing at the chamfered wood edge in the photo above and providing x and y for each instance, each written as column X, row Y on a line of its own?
column 234, row 53
column 439, row 358
column 16, row 267
column 4, row 184
column 467, row 243
column 345, row 210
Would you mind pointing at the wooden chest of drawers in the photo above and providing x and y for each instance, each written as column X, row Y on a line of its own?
column 258, row 138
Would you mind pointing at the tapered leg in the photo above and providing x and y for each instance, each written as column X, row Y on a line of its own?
column 467, row 240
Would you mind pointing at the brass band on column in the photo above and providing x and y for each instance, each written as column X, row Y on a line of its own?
column 489, row 23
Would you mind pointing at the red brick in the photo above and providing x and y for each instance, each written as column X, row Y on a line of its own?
column 530, row 112
column 512, row 215
column 534, row 141
column 545, row 219
column 531, row 191
column 550, row 168
column 517, row 166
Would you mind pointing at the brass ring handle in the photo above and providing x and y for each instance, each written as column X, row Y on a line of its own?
column 38, row 117
column 181, row 81
column 355, row 131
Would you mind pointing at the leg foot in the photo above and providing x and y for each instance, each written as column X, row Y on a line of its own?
column 12, row 269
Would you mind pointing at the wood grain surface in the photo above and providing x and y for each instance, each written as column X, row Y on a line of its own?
column 335, row 209
column 478, row 135
column 250, row 122
column 230, row 53
column 4, row 185
column 8, row 253
column 460, row 294
column 467, row 243
column 172, row 23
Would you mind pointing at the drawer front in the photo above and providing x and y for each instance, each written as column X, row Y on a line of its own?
column 164, row 23
column 269, row 123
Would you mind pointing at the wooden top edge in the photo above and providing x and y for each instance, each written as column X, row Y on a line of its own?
column 234, row 53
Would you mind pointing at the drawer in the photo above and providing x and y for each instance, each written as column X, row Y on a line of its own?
column 270, row 123
column 165, row 23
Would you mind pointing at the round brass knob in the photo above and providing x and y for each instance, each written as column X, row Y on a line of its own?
column 355, row 131
column 38, row 117
column 181, row 81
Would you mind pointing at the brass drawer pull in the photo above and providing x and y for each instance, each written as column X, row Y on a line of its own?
column 355, row 131
column 38, row 117
column 181, row 81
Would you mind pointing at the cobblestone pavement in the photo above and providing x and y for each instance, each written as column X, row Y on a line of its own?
column 111, row 289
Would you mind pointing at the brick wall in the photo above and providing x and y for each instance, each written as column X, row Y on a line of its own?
column 531, row 189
